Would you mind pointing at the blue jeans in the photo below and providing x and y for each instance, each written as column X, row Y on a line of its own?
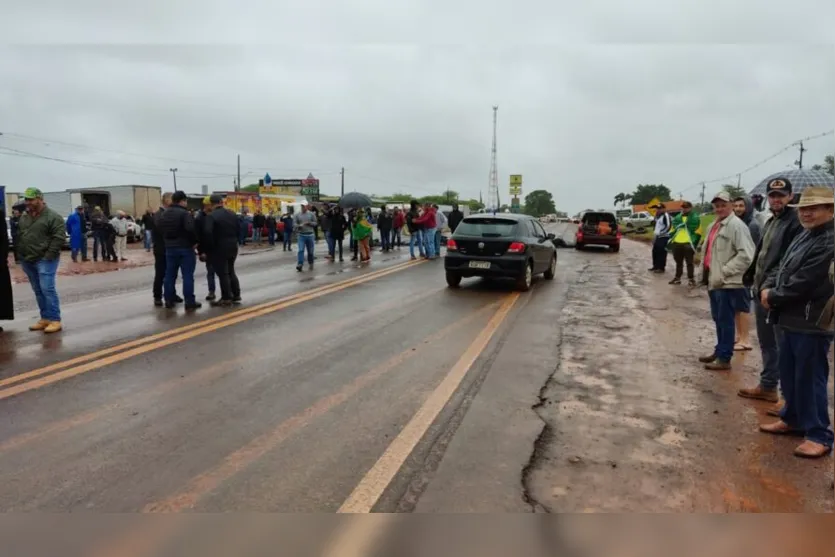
column 306, row 241
column 256, row 234
column 271, row 232
column 331, row 243
column 176, row 259
column 99, row 241
column 42, row 279
column 288, row 239
column 723, row 307
column 148, row 240
column 385, row 239
column 438, row 242
column 429, row 241
column 769, row 336
column 395, row 238
column 416, row 238
column 804, row 373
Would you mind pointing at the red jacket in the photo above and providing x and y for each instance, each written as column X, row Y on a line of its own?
column 399, row 220
column 427, row 219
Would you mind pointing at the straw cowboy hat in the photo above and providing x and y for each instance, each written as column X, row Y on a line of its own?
column 816, row 196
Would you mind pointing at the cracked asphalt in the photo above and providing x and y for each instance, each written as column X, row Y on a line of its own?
column 377, row 388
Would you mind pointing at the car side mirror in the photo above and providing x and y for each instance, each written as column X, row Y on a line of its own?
column 552, row 237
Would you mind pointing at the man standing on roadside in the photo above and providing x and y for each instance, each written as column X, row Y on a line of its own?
column 455, row 218
column 77, row 230
column 147, row 222
column 41, row 236
column 158, row 241
column 203, row 245
column 272, row 226
column 305, row 224
column 440, row 223
column 99, row 226
column 177, row 227
column 663, row 223
column 777, row 235
column 799, row 297
column 384, row 225
column 726, row 255
column 415, row 230
column 685, row 239
column 427, row 221
column 120, row 225
column 220, row 242
column 287, row 233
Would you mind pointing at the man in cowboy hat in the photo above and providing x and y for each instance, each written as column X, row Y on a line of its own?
column 776, row 236
column 797, row 297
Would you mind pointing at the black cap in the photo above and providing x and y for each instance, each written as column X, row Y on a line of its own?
column 216, row 199
column 179, row 197
column 781, row 186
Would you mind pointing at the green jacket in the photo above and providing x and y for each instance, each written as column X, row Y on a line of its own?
column 692, row 227
column 41, row 237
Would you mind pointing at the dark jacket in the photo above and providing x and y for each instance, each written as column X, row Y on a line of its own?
column 177, row 226
column 259, row 221
column 147, row 221
column 156, row 234
column 412, row 226
column 99, row 221
column 6, row 303
column 272, row 224
column 748, row 218
column 220, row 233
column 339, row 224
column 800, row 289
column 455, row 218
column 200, row 230
column 385, row 222
column 786, row 227
column 41, row 237
column 325, row 220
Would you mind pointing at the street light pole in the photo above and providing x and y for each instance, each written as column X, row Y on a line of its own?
column 174, row 173
column 342, row 174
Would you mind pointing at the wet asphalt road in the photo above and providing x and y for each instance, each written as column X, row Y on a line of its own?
column 284, row 404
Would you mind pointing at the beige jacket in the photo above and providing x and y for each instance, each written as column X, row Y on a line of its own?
column 731, row 253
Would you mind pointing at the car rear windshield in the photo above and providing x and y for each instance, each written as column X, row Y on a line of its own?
column 594, row 218
column 487, row 228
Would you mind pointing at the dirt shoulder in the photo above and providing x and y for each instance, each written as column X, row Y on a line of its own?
column 634, row 423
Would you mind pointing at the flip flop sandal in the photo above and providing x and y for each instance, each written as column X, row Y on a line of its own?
column 786, row 432
column 739, row 347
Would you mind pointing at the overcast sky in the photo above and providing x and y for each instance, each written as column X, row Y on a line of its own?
column 592, row 101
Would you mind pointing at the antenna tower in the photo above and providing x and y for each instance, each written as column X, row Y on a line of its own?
column 493, row 186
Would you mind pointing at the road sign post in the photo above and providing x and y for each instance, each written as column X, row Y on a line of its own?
column 515, row 185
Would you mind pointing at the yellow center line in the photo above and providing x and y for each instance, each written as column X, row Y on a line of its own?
column 211, row 327
column 372, row 486
column 203, row 323
column 258, row 447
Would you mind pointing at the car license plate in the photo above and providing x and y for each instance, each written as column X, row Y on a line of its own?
column 479, row 264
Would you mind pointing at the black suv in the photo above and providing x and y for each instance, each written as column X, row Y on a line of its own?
column 504, row 245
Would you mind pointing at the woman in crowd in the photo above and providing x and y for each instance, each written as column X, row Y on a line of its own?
column 362, row 235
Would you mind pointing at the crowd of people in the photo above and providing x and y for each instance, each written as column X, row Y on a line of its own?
column 179, row 238
column 780, row 262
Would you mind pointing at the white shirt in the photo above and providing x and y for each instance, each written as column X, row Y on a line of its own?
column 121, row 226
column 662, row 225
column 440, row 220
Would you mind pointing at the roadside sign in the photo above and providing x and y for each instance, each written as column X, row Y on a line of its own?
column 651, row 206
column 623, row 213
column 515, row 207
column 515, row 179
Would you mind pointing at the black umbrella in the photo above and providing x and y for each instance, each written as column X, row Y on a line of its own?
column 801, row 178
column 355, row 200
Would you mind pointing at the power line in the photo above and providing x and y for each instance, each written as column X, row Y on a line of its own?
column 738, row 175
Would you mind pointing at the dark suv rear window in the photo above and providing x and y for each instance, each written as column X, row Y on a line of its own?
column 486, row 227
column 594, row 218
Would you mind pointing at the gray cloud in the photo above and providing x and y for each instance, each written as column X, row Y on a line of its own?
column 580, row 114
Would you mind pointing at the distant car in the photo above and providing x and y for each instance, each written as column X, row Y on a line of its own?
column 598, row 228
column 134, row 230
column 506, row 245
column 638, row 221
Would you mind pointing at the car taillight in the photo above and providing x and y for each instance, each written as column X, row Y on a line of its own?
column 619, row 235
column 516, row 247
column 451, row 245
column 580, row 233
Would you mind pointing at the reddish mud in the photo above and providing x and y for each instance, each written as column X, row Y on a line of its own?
column 634, row 422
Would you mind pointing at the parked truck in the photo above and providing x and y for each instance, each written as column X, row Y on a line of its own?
column 133, row 200
column 65, row 202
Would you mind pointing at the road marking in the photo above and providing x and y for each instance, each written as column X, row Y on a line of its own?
column 143, row 348
column 214, row 371
column 372, row 486
column 258, row 447
column 203, row 323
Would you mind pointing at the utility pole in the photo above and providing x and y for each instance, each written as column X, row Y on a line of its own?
column 239, row 174
column 739, row 180
column 799, row 162
column 342, row 179
column 703, row 193
column 174, row 173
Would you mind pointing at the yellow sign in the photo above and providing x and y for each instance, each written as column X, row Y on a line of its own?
column 515, row 190
column 515, row 180
column 651, row 209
